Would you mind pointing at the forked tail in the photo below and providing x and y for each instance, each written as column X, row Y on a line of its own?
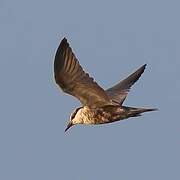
column 134, row 112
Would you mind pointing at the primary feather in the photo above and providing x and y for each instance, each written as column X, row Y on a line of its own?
column 70, row 76
column 119, row 92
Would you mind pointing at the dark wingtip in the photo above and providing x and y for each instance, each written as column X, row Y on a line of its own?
column 57, row 63
column 63, row 42
column 143, row 67
column 64, row 39
column 141, row 70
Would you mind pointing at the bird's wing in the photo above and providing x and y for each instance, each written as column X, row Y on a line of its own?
column 70, row 76
column 119, row 92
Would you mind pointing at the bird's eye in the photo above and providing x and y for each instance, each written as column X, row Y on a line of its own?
column 74, row 113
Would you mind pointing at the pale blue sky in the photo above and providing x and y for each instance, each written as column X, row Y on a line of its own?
column 111, row 39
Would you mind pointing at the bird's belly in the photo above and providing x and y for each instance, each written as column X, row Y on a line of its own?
column 102, row 116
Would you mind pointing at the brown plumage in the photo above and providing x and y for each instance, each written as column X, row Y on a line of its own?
column 99, row 106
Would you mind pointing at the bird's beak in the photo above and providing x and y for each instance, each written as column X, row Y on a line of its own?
column 70, row 124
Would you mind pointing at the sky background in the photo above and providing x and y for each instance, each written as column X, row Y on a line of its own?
column 111, row 39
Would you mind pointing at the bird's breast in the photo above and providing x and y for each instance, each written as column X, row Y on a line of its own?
column 101, row 115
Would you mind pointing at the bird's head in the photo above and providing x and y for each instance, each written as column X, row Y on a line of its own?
column 75, row 118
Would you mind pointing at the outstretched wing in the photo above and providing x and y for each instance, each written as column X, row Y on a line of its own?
column 70, row 76
column 119, row 92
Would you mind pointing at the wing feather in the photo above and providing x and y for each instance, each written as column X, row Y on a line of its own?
column 70, row 76
column 119, row 92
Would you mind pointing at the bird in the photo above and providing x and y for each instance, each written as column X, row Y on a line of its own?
column 99, row 106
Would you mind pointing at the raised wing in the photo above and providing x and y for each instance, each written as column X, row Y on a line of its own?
column 119, row 92
column 70, row 76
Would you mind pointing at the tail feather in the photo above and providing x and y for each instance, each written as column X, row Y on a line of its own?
column 134, row 112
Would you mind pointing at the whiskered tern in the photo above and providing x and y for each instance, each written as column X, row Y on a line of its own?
column 99, row 106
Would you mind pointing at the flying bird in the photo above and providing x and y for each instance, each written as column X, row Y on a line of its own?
column 99, row 106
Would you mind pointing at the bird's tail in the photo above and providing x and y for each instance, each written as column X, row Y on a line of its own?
column 134, row 112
